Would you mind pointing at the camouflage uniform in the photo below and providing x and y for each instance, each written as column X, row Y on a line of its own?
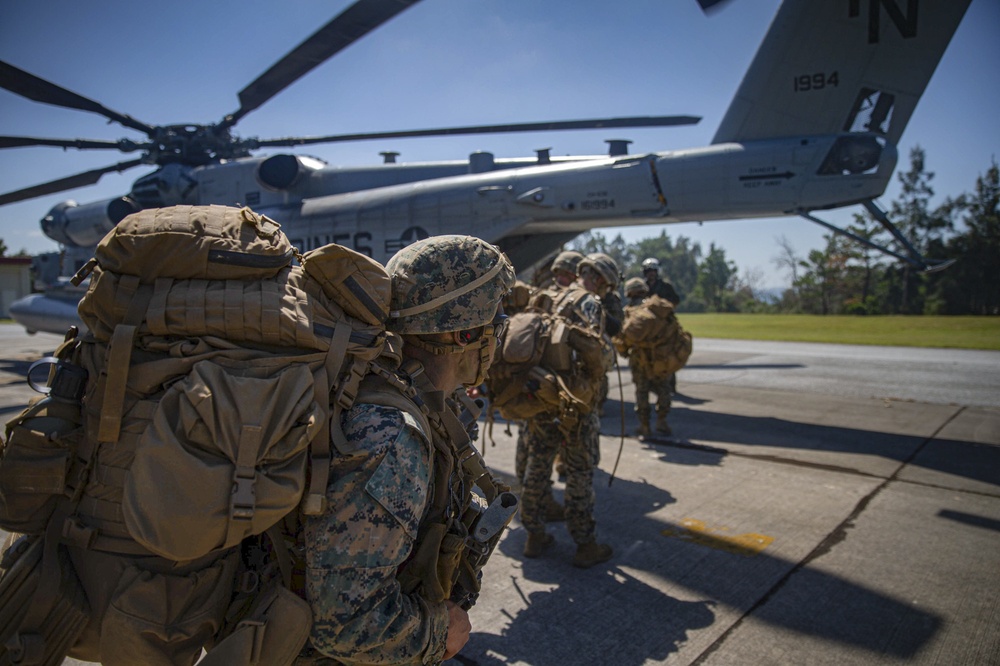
column 665, row 289
column 580, row 453
column 360, row 614
column 614, row 315
column 580, row 456
column 644, row 384
column 400, row 472
column 637, row 290
column 614, row 312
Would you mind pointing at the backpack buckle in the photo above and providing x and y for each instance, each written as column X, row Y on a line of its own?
column 244, row 497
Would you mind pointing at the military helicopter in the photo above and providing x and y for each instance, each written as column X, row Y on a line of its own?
column 814, row 125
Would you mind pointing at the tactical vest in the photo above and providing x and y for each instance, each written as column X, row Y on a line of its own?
column 446, row 561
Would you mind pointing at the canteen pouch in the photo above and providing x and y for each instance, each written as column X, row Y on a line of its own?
column 524, row 342
column 224, row 456
column 273, row 633
column 35, row 463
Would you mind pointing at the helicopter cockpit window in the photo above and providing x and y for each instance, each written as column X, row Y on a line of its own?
column 868, row 122
column 853, row 155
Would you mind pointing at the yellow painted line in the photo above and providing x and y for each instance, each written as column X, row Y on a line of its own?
column 697, row 532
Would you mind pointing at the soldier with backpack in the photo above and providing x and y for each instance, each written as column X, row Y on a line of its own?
column 383, row 559
column 656, row 347
column 156, row 491
column 562, row 274
column 570, row 428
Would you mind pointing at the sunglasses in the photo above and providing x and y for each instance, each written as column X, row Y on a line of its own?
column 496, row 328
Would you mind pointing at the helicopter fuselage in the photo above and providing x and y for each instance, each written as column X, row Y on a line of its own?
column 377, row 210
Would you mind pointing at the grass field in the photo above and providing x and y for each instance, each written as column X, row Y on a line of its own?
column 897, row 331
column 892, row 331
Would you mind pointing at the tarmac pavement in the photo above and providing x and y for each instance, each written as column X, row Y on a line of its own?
column 818, row 504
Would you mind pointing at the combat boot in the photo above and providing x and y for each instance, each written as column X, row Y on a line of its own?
column 591, row 553
column 537, row 543
column 661, row 424
column 643, row 429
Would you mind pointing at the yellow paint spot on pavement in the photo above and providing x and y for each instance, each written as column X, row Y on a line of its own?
column 696, row 531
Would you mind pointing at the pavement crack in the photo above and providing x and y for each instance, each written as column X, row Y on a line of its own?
column 836, row 536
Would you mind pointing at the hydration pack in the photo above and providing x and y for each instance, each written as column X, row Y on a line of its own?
column 191, row 419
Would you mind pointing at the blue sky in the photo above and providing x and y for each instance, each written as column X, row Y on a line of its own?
column 443, row 63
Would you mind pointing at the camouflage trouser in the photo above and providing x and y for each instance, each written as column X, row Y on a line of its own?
column 581, row 456
column 643, row 385
column 521, row 453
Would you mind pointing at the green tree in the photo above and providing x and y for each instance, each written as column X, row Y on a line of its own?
column 716, row 282
column 594, row 241
column 922, row 227
column 867, row 266
column 678, row 261
column 972, row 285
column 827, row 281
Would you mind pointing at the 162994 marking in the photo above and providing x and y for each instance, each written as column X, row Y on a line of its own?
column 597, row 204
column 817, row 81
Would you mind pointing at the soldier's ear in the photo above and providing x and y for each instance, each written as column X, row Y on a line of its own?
column 462, row 338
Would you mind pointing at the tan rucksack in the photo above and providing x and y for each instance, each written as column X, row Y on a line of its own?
column 550, row 362
column 654, row 338
column 196, row 413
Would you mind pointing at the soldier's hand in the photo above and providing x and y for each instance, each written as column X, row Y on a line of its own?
column 459, row 628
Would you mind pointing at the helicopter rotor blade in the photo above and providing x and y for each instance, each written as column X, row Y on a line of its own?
column 347, row 27
column 67, row 183
column 124, row 146
column 34, row 88
column 596, row 123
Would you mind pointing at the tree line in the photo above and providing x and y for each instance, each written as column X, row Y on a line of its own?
column 845, row 276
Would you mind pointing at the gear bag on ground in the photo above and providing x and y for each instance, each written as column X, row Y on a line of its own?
column 194, row 415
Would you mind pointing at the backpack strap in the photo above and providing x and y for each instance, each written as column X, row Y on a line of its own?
column 345, row 392
column 119, row 355
column 387, row 388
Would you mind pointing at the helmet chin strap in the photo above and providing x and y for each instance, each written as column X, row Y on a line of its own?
column 486, row 352
column 486, row 344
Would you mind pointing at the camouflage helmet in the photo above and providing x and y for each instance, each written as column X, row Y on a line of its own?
column 650, row 264
column 567, row 261
column 603, row 265
column 446, row 283
column 636, row 287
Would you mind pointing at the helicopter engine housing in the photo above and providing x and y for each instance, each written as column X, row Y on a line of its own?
column 74, row 225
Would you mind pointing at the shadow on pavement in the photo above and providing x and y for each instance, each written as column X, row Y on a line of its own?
column 570, row 625
column 610, row 614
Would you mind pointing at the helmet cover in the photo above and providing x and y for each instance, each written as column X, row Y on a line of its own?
column 447, row 283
